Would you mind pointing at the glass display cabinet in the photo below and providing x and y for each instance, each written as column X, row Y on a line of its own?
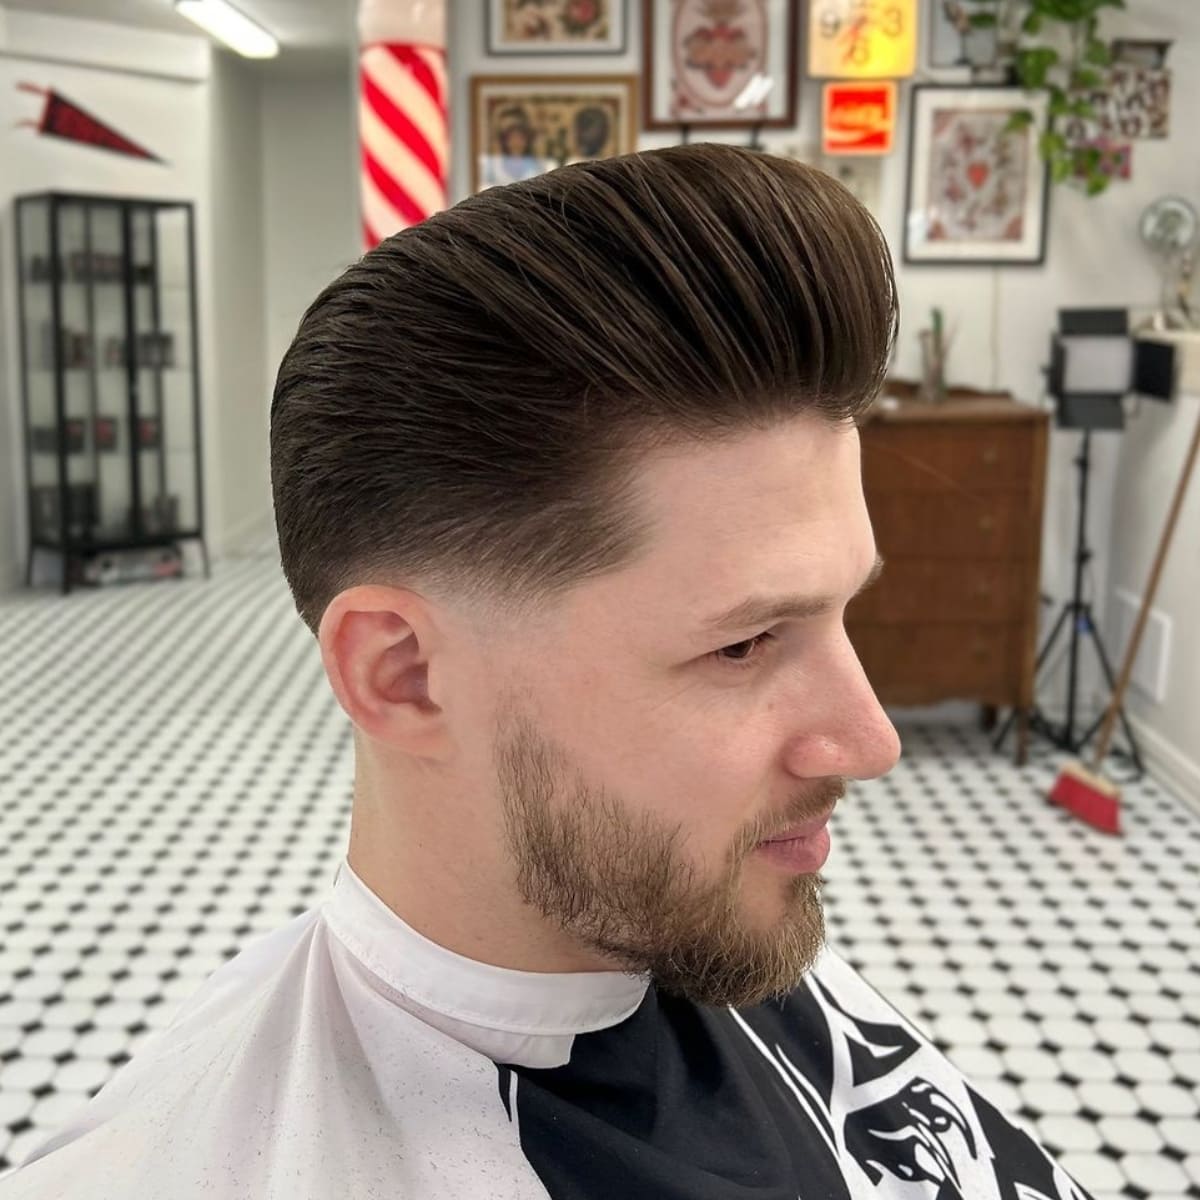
column 110, row 383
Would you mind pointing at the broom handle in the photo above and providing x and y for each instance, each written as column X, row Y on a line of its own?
column 1114, row 705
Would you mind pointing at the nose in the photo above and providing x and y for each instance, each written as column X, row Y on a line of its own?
column 846, row 731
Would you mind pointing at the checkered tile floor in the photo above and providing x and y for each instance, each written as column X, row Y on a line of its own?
column 175, row 777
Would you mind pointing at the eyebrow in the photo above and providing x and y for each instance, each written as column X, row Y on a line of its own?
column 760, row 610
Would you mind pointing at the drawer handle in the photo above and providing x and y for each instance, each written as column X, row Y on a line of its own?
column 980, row 651
column 987, row 523
column 991, row 455
column 983, row 589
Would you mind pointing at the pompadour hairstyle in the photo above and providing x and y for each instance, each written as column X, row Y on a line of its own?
column 464, row 409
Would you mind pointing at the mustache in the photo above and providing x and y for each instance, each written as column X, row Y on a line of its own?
column 814, row 804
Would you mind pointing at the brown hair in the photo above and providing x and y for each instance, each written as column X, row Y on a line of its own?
column 464, row 408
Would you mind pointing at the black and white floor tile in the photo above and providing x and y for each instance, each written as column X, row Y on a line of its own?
column 175, row 777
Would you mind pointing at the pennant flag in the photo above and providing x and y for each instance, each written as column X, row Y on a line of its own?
column 65, row 119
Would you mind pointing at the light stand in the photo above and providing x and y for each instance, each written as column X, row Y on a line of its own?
column 1090, row 373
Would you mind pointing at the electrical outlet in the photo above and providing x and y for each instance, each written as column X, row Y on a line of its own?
column 1150, row 667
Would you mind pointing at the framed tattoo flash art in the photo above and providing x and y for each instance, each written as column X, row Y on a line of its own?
column 522, row 125
column 952, row 41
column 556, row 26
column 977, row 190
column 720, row 64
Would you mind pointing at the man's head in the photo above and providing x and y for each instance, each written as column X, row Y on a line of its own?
column 523, row 456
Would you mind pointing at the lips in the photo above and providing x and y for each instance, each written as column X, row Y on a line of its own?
column 804, row 830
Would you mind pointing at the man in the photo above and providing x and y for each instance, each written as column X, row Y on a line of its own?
column 567, row 487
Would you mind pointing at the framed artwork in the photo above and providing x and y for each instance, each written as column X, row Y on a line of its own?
column 862, row 39
column 522, row 125
column 720, row 64
column 862, row 174
column 952, row 42
column 1132, row 102
column 556, row 26
column 1140, row 52
column 977, row 191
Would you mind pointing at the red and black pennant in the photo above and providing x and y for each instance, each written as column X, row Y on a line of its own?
column 64, row 119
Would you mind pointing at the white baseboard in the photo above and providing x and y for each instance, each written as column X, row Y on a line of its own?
column 1168, row 764
column 12, row 575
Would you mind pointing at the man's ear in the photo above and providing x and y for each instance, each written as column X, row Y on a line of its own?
column 376, row 646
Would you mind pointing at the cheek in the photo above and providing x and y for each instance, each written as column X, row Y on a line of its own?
column 689, row 758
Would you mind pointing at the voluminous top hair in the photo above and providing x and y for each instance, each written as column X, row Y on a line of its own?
column 464, row 409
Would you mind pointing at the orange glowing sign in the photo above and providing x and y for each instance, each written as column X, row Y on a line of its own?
column 859, row 118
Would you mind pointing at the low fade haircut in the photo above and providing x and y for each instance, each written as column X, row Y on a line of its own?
column 464, row 410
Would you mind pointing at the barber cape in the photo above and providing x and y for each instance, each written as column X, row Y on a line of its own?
column 345, row 1055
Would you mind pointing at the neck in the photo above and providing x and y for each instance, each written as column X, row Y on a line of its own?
column 438, row 862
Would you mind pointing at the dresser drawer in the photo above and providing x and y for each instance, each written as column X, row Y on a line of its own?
column 935, row 458
column 916, row 525
column 918, row 591
column 919, row 664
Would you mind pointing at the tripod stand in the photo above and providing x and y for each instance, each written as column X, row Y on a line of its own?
column 1079, row 612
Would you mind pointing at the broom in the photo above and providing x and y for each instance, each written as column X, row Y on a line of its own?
column 1086, row 792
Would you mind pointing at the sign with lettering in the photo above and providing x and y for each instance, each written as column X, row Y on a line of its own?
column 859, row 118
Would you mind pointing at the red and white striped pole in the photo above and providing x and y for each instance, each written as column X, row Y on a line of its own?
column 404, row 138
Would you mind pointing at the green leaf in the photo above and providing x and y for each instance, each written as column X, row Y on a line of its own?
column 982, row 20
column 1084, row 109
column 1032, row 24
column 1060, row 169
column 1096, row 184
column 1086, row 79
column 1034, row 64
column 1098, row 53
column 1021, row 119
column 1051, row 144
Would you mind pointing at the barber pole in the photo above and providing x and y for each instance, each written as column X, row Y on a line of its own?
column 404, row 136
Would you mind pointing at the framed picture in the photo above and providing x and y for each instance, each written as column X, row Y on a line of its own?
column 523, row 125
column 862, row 174
column 556, row 26
column 977, row 192
column 953, row 41
column 720, row 64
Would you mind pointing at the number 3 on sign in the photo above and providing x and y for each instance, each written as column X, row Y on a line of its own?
column 862, row 39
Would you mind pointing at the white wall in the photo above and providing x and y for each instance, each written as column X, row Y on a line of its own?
column 1002, row 318
column 235, row 270
column 309, row 198
column 1147, row 469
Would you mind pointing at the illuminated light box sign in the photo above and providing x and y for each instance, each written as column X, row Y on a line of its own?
column 858, row 118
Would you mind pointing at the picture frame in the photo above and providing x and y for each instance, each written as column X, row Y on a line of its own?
column 976, row 195
column 694, row 66
column 556, row 27
column 862, row 174
column 524, row 125
column 950, row 50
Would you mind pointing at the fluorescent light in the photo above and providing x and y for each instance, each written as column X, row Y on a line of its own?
column 233, row 28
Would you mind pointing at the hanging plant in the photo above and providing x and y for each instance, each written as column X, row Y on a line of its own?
column 1059, row 50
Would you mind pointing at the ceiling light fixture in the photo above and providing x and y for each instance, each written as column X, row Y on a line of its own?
column 230, row 26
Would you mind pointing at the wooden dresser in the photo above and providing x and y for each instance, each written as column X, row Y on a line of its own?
column 955, row 492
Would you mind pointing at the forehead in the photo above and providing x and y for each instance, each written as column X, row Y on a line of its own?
column 780, row 510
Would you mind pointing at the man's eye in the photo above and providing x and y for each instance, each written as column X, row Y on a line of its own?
column 754, row 649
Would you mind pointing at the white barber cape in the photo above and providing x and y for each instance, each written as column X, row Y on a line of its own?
column 346, row 1056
